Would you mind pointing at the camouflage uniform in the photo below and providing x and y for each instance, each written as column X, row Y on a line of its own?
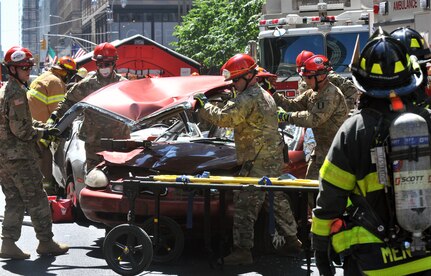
column 252, row 114
column 346, row 86
column 94, row 126
column 322, row 111
column 20, row 177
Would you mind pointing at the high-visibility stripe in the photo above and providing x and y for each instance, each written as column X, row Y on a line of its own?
column 376, row 69
column 321, row 227
column 347, row 238
column 399, row 67
column 403, row 269
column 45, row 99
column 363, row 63
column 337, row 176
column 414, row 43
column 369, row 183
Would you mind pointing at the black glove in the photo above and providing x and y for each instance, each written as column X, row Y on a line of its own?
column 51, row 134
column 52, row 120
column 323, row 263
column 201, row 100
column 283, row 116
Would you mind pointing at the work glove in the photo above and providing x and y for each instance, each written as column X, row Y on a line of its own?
column 324, row 263
column 283, row 116
column 49, row 135
column 52, row 120
column 201, row 100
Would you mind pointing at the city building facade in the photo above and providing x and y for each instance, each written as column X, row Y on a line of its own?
column 63, row 27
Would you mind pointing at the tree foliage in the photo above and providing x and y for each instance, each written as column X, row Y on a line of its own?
column 215, row 30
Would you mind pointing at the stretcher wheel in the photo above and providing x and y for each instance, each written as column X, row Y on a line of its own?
column 127, row 249
column 170, row 243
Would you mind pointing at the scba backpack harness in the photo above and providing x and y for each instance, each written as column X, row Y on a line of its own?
column 402, row 155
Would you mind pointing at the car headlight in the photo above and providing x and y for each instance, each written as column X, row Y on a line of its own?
column 96, row 179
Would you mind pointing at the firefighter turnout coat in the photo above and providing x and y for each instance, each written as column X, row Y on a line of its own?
column 350, row 171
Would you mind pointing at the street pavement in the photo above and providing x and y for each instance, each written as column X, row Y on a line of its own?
column 85, row 257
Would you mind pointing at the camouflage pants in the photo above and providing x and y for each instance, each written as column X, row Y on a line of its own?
column 21, row 182
column 247, row 205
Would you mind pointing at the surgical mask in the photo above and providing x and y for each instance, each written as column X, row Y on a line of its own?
column 105, row 72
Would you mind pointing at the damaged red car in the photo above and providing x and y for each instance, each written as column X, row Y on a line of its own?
column 160, row 110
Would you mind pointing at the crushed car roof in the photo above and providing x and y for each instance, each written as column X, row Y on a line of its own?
column 136, row 99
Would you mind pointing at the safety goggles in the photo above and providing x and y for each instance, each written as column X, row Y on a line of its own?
column 25, row 68
column 105, row 64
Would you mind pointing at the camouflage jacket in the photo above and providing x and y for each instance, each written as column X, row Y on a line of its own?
column 346, row 86
column 94, row 125
column 18, row 134
column 253, row 115
column 323, row 111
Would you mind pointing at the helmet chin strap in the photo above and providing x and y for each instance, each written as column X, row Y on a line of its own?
column 316, row 82
column 15, row 75
column 247, row 81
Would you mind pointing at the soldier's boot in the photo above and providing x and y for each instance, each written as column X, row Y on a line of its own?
column 9, row 250
column 239, row 256
column 293, row 247
column 51, row 248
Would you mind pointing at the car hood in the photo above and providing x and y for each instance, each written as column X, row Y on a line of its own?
column 170, row 157
column 133, row 101
column 138, row 98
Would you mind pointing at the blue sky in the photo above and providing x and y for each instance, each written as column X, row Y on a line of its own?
column 9, row 24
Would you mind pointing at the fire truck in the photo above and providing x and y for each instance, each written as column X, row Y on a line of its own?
column 330, row 28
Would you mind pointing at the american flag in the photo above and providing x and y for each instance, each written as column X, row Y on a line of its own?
column 79, row 53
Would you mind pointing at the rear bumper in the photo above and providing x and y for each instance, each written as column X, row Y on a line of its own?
column 111, row 208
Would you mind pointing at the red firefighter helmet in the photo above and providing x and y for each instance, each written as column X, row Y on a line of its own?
column 315, row 65
column 238, row 65
column 105, row 52
column 261, row 72
column 303, row 56
column 18, row 56
column 67, row 63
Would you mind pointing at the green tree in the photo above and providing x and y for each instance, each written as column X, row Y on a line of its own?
column 215, row 30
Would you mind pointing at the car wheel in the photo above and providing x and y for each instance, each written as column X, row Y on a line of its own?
column 70, row 192
column 128, row 249
column 170, row 244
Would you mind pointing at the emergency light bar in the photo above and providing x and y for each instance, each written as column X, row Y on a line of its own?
column 293, row 19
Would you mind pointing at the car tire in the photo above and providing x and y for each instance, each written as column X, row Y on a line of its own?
column 127, row 249
column 70, row 192
column 170, row 244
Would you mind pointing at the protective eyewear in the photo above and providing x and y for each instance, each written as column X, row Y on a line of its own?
column 105, row 64
column 234, row 80
column 308, row 77
column 25, row 68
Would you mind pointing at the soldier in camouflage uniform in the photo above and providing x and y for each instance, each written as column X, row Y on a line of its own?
column 95, row 126
column 20, row 177
column 253, row 116
column 322, row 108
column 346, row 86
